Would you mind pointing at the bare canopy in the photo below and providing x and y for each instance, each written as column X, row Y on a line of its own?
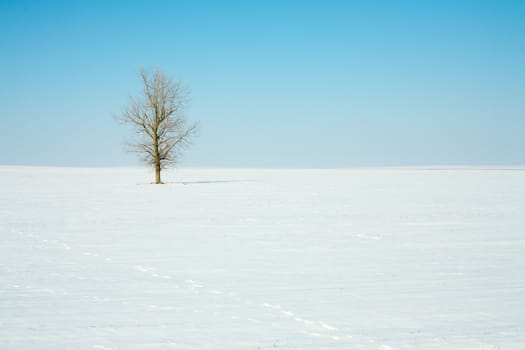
column 159, row 120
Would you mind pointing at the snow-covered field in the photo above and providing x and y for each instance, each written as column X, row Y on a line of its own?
column 262, row 259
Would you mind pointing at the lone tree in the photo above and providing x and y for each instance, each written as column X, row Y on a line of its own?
column 159, row 120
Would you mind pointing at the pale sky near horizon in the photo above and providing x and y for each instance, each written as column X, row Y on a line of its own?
column 274, row 83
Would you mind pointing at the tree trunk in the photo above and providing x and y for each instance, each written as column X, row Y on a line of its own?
column 157, row 158
column 157, row 173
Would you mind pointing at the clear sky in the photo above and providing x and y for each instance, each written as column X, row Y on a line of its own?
column 274, row 83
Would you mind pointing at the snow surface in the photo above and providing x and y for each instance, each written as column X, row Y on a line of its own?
column 262, row 259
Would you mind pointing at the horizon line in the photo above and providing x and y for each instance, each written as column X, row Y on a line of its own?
column 370, row 167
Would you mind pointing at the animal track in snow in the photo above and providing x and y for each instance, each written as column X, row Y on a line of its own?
column 369, row 237
column 317, row 327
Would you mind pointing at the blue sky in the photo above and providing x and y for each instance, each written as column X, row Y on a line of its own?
column 274, row 83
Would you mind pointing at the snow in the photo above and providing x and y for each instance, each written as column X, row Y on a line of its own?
column 262, row 259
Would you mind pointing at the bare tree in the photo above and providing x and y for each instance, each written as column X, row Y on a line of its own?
column 159, row 120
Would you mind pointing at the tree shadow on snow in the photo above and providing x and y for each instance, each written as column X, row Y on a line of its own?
column 204, row 182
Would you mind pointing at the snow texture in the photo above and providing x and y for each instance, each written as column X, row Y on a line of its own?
column 381, row 259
